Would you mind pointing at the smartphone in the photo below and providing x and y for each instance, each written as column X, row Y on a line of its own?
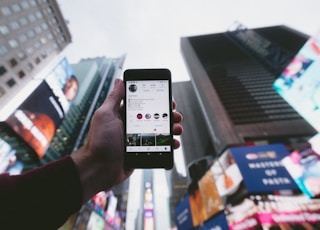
column 148, row 119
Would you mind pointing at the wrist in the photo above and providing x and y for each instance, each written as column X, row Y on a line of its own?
column 90, row 173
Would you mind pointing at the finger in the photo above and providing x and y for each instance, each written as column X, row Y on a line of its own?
column 176, row 144
column 177, row 117
column 177, row 129
column 174, row 105
column 114, row 98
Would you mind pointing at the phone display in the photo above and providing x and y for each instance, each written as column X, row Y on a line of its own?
column 148, row 122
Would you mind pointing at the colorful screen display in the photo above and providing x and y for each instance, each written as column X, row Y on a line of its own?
column 38, row 117
column 299, row 84
column 148, row 116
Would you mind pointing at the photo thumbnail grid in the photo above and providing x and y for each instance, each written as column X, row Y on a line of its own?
column 150, row 139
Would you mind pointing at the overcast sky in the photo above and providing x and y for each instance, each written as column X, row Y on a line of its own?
column 149, row 31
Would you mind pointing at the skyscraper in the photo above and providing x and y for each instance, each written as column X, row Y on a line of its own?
column 32, row 34
column 232, row 75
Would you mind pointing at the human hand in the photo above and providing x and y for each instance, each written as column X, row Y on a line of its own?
column 100, row 160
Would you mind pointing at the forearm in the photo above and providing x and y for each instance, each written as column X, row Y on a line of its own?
column 42, row 198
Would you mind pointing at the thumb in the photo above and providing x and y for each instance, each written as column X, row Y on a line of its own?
column 114, row 98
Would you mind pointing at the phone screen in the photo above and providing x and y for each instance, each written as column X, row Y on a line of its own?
column 148, row 114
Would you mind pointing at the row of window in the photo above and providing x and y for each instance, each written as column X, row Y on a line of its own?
column 14, row 43
column 24, row 5
column 22, row 22
column 16, row 8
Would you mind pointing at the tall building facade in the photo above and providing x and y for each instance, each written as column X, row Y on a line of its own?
column 232, row 75
column 32, row 34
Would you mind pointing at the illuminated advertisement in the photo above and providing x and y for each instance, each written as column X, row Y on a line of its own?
column 299, row 83
column 183, row 215
column 38, row 117
column 304, row 167
column 261, row 168
column 226, row 174
column 8, row 160
column 63, row 83
column 148, row 208
column 209, row 194
column 200, row 205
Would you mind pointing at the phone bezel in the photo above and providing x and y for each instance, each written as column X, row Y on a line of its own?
column 148, row 159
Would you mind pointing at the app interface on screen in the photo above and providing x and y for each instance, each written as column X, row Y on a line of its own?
column 148, row 116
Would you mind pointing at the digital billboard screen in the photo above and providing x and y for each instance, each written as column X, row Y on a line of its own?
column 38, row 117
column 299, row 83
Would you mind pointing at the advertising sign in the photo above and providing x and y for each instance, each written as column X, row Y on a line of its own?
column 261, row 168
column 183, row 214
column 38, row 117
column 63, row 83
column 299, row 84
column 304, row 166
column 218, row 222
column 211, row 199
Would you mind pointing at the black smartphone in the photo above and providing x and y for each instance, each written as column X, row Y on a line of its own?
column 148, row 119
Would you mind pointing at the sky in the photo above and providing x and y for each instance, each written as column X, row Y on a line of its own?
column 149, row 31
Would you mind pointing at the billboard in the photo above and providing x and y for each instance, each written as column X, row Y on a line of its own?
column 9, row 162
column 299, row 83
column 261, row 168
column 304, row 167
column 38, row 117
column 202, row 203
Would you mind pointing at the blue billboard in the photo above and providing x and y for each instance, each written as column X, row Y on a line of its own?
column 261, row 168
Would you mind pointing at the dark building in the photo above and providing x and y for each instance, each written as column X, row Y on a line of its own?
column 234, row 103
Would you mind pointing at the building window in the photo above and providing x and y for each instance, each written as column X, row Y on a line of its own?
column 21, row 74
column 29, row 67
column 13, row 43
column 14, row 25
column 54, row 20
column 44, row 26
column 5, row 11
column 38, row 29
column 16, row 8
column 11, row 82
column 23, row 21
column 2, row 91
column 23, row 38
column 37, row 60
column 3, row 50
column 12, row 62
column 29, row 50
column 43, row 55
column 4, row 29
column 37, row 45
column 3, row 70
column 32, row 2
column 43, row 40
column 49, row 36
column 25, row 5
column 22, row 56
column 50, row 10
column 38, row 15
column 30, row 33
column 31, row 17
